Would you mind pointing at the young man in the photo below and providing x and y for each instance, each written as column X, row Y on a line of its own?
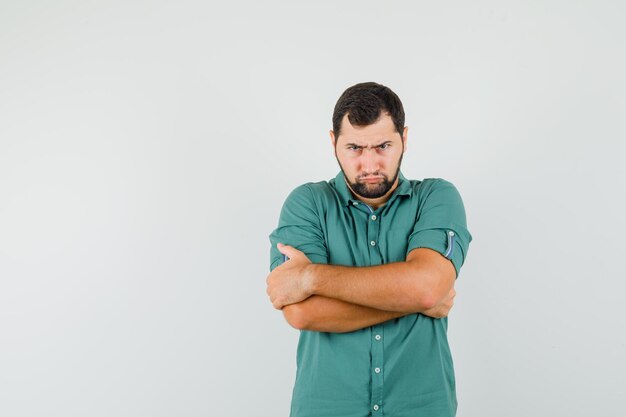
column 364, row 265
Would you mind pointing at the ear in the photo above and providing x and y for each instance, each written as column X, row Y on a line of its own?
column 332, row 138
column 405, row 136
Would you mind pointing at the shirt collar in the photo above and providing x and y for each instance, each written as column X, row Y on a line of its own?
column 403, row 188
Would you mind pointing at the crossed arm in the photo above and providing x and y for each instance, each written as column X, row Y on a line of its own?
column 334, row 298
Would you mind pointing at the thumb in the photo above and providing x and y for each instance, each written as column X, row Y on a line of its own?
column 290, row 251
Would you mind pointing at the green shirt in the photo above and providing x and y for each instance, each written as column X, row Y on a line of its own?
column 398, row 368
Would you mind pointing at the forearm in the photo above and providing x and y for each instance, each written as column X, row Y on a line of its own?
column 323, row 314
column 401, row 286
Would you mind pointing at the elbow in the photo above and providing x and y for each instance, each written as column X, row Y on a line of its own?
column 295, row 316
column 431, row 279
column 416, row 302
column 431, row 295
column 426, row 295
column 427, row 301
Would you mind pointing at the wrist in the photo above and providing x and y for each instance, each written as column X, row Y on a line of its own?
column 310, row 279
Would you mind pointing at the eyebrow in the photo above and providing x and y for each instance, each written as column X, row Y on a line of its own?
column 374, row 146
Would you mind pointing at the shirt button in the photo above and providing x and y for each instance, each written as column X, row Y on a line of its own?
column 373, row 243
column 451, row 233
column 355, row 203
column 377, row 337
column 373, row 217
column 375, row 407
column 377, row 370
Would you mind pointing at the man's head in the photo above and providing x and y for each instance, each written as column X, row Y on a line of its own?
column 369, row 138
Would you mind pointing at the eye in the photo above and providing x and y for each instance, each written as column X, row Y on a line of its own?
column 353, row 148
column 384, row 146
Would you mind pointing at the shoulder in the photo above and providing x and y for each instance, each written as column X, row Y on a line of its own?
column 311, row 192
column 307, row 201
column 434, row 188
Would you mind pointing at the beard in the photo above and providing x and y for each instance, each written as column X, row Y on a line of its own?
column 369, row 190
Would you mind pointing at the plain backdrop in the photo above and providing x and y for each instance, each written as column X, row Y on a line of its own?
column 146, row 149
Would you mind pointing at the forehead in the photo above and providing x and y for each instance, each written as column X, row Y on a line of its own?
column 382, row 129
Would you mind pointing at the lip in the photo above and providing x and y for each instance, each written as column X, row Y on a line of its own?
column 372, row 179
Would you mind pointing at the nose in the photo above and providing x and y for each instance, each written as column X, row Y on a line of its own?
column 369, row 161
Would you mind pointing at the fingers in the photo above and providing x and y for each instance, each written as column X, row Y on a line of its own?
column 276, row 302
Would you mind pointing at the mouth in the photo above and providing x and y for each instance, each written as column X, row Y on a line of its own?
column 372, row 180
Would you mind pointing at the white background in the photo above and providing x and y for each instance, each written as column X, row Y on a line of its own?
column 146, row 149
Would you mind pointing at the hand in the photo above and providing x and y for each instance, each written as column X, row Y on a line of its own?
column 442, row 309
column 289, row 282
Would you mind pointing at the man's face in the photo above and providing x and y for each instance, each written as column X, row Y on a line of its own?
column 370, row 156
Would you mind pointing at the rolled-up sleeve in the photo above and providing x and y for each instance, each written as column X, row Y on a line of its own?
column 441, row 224
column 299, row 226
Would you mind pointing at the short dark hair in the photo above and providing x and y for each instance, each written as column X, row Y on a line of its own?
column 364, row 103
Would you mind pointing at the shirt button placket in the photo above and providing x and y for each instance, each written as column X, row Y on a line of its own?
column 373, row 231
column 377, row 370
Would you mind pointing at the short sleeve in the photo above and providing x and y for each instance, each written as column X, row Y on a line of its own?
column 441, row 224
column 299, row 226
